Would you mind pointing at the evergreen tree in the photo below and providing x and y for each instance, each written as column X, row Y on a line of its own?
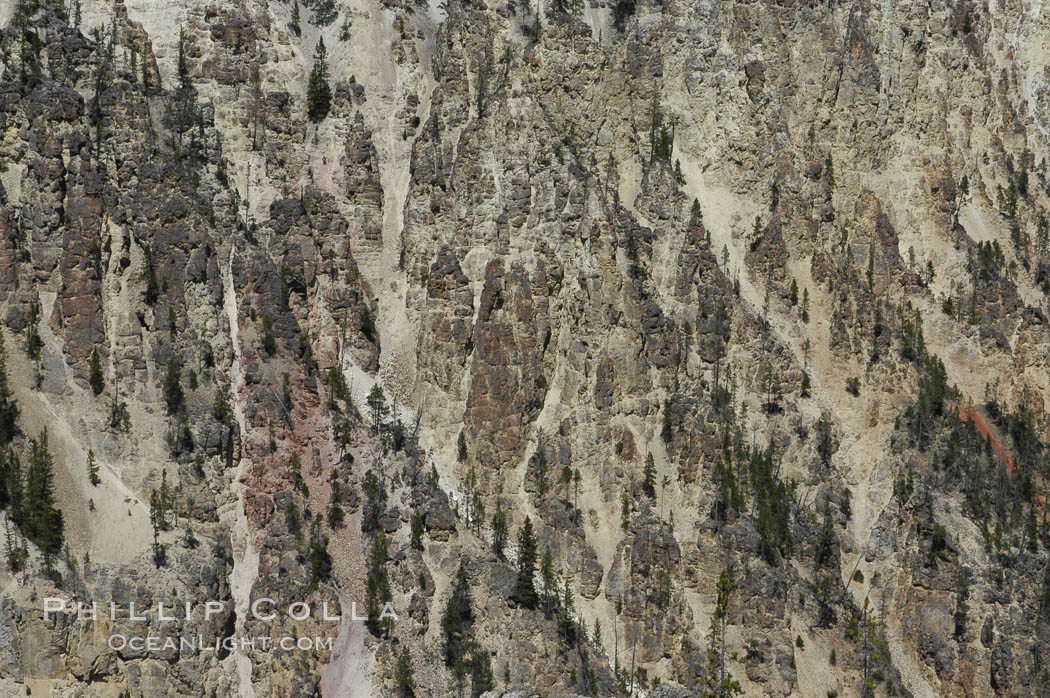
column 23, row 22
column 173, row 394
column 376, row 402
column 404, row 680
column 335, row 504
column 295, row 469
column 477, row 511
column 17, row 552
column 826, row 541
column 269, row 341
column 825, row 443
column 43, row 521
column 541, row 469
column 481, row 678
column 461, row 447
column 457, row 622
column 649, row 477
column 14, row 486
column 416, row 539
column 156, row 519
column 375, row 502
column 320, row 559
column 34, row 344
column 576, row 478
column 96, row 379
column 566, row 613
column 182, row 113
column 92, row 467
column 220, row 407
column 318, row 92
column 549, row 579
column 324, row 12
column 377, row 587
column 295, row 18
column 8, row 406
column 667, row 430
column 149, row 275
column 718, row 682
column 524, row 587
column 499, row 531
column 5, row 475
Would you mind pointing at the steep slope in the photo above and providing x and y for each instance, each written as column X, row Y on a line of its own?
column 741, row 306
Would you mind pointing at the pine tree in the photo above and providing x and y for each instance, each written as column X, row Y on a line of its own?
column 377, row 587
column 182, row 113
column 295, row 18
column 269, row 341
column 149, row 275
column 825, row 442
column 324, row 12
column 43, row 521
column 549, row 579
column 541, row 469
column 457, row 622
column 5, row 474
column 173, row 395
column 156, row 518
column 566, row 613
column 17, row 552
column 718, row 682
column 336, row 515
column 220, row 407
column 318, row 92
column 14, row 486
column 499, row 531
column 576, row 478
column 8, row 406
column 524, row 587
column 34, row 344
column 404, row 680
column 461, row 447
column 96, row 379
column 320, row 559
column 23, row 23
column 481, row 678
column 649, row 477
column 376, row 401
column 477, row 511
column 416, row 538
column 667, row 429
column 92, row 467
column 375, row 502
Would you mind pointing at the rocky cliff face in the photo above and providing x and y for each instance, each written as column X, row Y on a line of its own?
column 741, row 306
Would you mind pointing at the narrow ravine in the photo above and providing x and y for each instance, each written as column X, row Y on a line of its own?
column 245, row 568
